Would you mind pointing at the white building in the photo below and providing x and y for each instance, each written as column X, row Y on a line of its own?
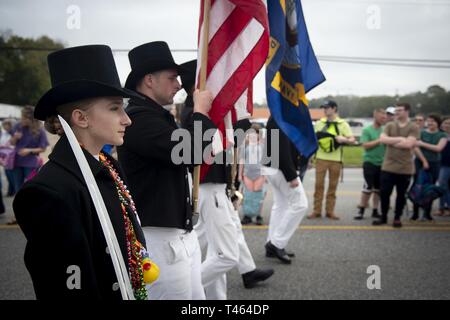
column 9, row 111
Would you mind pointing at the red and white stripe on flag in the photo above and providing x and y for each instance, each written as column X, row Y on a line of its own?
column 238, row 44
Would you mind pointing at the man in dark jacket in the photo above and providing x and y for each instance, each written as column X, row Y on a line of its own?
column 289, row 197
column 160, row 186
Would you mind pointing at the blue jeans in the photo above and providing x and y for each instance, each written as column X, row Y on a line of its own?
column 19, row 175
column 10, row 177
column 444, row 177
column 434, row 172
column 2, row 206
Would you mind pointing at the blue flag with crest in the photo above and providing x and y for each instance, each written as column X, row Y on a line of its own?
column 292, row 70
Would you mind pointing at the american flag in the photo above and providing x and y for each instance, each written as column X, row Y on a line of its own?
column 238, row 45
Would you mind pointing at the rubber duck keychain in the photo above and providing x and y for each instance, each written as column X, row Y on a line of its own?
column 149, row 268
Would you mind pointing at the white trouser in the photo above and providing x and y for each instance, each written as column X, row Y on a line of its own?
column 178, row 256
column 217, row 290
column 217, row 230
column 288, row 209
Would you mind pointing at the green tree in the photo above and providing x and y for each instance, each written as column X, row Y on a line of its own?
column 23, row 72
column 435, row 99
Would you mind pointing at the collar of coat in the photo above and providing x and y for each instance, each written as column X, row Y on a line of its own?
column 63, row 155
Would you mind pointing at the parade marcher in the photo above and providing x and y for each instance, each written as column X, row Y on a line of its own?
column 400, row 138
column 372, row 161
column 429, row 147
column 332, row 133
column 219, row 228
column 160, row 184
column 66, row 252
column 289, row 197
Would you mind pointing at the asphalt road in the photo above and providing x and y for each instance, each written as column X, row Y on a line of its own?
column 332, row 257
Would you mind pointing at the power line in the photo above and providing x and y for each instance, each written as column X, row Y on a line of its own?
column 384, row 59
column 390, row 2
column 388, row 63
column 49, row 49
column 398, row 62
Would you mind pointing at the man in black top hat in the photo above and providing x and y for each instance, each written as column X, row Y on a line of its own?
column 219, row 227
column 160, row 187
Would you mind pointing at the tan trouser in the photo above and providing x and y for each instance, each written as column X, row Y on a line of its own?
column 334, row 168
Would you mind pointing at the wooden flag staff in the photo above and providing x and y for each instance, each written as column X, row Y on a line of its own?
column 202, row 85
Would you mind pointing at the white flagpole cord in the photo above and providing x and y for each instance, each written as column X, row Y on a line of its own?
column 102, row 213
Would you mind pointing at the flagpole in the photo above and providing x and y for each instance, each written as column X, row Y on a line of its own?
column 202, row 85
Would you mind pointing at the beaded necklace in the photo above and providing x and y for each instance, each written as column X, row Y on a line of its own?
column 136, row 252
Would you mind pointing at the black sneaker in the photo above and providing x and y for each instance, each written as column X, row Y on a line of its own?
column 427, row 219
column 375, row 214
column 360, row 217
column 379, row 222
column 246, row 220
column 397, row 223
column 259, row 221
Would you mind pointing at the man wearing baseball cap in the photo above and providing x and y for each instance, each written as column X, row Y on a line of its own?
column 390, row 114
column 332, row 132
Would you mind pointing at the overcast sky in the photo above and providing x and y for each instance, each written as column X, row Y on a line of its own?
column 411, row 29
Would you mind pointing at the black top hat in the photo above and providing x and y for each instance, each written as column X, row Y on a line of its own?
column 147, row 58
column 79, row 73
column 188, row 77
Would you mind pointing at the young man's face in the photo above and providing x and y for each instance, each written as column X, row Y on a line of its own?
column 164, row 86
column 420, row 121
column 329, row 111
column 401, row 113
column 380, row 117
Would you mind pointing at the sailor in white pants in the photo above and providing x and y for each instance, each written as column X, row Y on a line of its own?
column 219, row 229
column 289, row 207
column 178, row 256
column 289, row 198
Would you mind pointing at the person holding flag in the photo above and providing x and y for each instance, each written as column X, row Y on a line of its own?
column 292, row 70
column 68, row 252
column 233, row 46
column 218, row 204
column 160, row 184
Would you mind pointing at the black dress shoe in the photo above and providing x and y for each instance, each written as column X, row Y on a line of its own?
column 252, row 278
column 290, row 254
column 277, row 252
